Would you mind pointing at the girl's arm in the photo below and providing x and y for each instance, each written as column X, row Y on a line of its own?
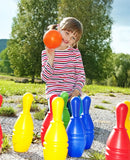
column 47, row 64
column 80, row 75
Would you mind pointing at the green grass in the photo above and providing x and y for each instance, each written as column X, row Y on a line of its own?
column 36, row 138
column 9, row 88
column 111, row 95
column 96, row 156
column 99, row 107
column 40, row 100
column 107, row 102
column 34, row 107
column 40, row 115
column 7, row 111
column 6, row 144
column 93, row 89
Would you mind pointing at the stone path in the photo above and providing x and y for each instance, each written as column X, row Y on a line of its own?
column 104, row 121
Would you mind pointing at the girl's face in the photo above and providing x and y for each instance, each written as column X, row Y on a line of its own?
column 68, row 39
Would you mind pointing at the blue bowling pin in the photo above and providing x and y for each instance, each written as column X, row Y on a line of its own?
column 75, row 131
column 69, row 107
column 87, row 122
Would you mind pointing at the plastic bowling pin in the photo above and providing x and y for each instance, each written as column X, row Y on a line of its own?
column 81, row 106
column 69, row 107
column 47, row 120
column 65, row 115
column 118, row 143
column 23, row 128
column 75, row 131
column 127, row 121
column 55, row 141
column 1, row 135
column 1, row 100
column 87, row 122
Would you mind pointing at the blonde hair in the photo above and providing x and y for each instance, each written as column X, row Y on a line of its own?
column 73, row 25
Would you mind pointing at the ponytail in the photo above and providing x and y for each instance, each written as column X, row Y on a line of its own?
column 52, row 26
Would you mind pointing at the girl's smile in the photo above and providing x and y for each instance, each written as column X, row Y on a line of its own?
column 68, row 38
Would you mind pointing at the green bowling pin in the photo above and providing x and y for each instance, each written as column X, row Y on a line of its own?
column 65, row 115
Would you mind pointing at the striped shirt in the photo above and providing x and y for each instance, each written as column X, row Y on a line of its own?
column 66, row 74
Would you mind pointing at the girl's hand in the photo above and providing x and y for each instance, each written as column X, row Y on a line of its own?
column 50, row 54
column 74, row 94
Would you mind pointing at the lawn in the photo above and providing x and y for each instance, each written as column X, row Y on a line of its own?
column 93, row 89
column 9, row 88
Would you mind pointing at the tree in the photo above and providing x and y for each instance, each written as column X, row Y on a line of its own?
column 95, row 43
column 25, row 44
column 4, row 62
column 122, row 69
column 3, row 44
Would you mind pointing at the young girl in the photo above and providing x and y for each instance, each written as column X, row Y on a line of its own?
column 62, row 68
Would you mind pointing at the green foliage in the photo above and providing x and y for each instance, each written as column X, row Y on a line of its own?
column 4, row 62
column 6, row 145
column 95, row 42
column 40, row 115
column 122, row 69
column 3, row 44
column 26, row 44
column 7, row 111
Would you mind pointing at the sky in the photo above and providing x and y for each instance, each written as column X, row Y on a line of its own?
column 120, row 28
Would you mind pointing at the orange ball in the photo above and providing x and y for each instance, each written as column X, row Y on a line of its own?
column 52, row 39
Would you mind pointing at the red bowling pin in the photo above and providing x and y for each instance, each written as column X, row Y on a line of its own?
column 118, row 144
column 1, row 100
column 46, row 121
column 1, row 135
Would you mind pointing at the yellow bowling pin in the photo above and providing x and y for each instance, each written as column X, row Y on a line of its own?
column 23, row 128
column 127, row 121
column 55, row 144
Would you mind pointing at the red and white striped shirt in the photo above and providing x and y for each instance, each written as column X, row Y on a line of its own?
column 66, row 74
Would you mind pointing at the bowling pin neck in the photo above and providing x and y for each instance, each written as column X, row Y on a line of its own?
column 121, row 113
column 57, row 108
column 65, row 96
column 27, row 102
column 86, row 104
column 50, row 101
column 75, row 105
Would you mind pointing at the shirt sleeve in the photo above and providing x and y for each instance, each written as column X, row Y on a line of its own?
column 47, row 69
column 80, row 73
